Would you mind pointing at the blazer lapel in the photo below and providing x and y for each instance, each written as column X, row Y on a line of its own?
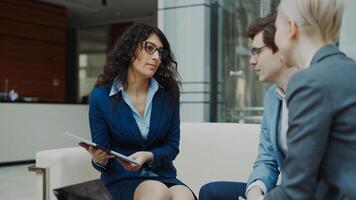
column 275, row 130
column 274, row 126
column 124, row 111
column 156, row 115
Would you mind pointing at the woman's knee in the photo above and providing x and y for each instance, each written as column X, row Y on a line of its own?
column 152, row 190
column 181, row 192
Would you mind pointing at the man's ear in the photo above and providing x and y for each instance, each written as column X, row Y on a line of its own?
column 293, row 29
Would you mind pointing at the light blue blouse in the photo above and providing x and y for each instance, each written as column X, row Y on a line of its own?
column 143, row 123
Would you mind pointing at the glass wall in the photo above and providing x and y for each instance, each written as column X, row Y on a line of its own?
column 239, row 93
column 92, row 55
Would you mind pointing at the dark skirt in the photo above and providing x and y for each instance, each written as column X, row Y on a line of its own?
column 125, row 189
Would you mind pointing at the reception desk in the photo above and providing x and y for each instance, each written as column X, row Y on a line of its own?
column 26, row 128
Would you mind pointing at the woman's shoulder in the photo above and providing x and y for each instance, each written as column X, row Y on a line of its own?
column 101, row 90
column 164, row 93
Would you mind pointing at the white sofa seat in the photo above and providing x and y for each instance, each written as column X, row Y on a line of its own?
column 208, row 152
column 216, row 151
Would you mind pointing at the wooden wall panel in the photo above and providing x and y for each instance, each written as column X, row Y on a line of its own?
column 32, row 15
column 37, row 5
column 31, row 31
column 32, row 49
column 116, row 32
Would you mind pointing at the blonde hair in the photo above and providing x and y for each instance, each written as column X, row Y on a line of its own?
column 322, row 17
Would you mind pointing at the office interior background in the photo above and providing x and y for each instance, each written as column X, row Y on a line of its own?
column 53, row 50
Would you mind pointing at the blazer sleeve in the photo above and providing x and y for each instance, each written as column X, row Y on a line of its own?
column 98, row 126
column 309, row 123
column 266, row 167
column 169, row 149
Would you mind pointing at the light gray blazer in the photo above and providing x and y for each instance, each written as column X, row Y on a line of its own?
column 321, row 139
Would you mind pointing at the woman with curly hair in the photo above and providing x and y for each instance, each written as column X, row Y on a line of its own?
column 134, row 110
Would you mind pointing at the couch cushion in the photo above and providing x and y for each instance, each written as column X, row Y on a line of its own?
column 216, row 151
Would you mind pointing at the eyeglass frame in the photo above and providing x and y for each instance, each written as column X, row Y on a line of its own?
column 257, row 51
column 162, row 52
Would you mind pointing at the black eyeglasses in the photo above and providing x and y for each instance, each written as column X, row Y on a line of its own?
column 257, row 51
column 151, row 48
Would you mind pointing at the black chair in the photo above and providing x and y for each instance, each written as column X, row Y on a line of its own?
column 91, row 190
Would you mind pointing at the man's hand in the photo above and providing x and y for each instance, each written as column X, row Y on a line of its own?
column 255, row 193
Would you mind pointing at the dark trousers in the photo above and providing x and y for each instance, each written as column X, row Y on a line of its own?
column 222, row 190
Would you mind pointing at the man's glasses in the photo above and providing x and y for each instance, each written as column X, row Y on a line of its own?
column 257, row 51
column 151, row 48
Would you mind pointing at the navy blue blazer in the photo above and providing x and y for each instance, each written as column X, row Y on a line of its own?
column 113, row 126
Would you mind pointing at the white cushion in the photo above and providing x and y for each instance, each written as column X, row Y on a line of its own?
column 216, row 151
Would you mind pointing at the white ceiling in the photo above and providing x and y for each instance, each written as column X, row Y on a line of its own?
column 89, row 13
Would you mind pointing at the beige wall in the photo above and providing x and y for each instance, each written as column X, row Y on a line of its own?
column 28, row 128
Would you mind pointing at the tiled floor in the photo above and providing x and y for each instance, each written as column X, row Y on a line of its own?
column 17, row 183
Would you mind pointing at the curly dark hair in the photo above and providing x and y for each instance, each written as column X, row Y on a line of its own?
column 121, row 55
column 265, row 24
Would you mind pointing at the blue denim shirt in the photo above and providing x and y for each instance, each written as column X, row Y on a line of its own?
column 269, row 160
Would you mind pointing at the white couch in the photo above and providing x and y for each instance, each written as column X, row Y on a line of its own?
column 208, row 152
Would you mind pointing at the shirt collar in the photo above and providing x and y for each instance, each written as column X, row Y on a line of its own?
column 280, row 94
column 307, row 64
column 117, row 86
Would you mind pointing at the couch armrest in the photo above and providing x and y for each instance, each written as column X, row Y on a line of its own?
column 41, row 180
column 62, row 167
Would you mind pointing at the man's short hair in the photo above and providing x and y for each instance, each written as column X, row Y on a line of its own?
column 267, row 27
